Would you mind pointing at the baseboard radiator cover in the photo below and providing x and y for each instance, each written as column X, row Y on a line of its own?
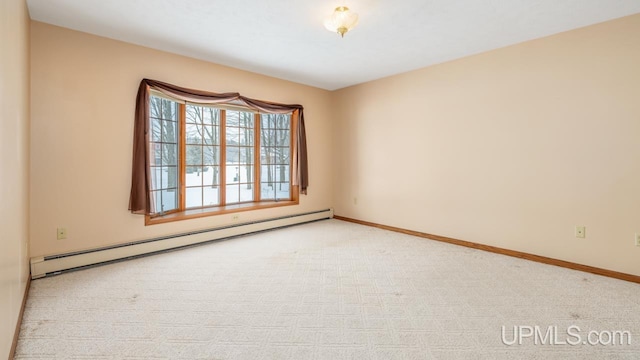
column 57, row 264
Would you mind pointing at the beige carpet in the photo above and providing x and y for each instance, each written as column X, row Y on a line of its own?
column 326, row 290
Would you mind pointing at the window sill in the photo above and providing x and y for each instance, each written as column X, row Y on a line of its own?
column 219, row 210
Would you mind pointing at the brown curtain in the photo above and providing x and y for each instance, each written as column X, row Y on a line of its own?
column 140, row 200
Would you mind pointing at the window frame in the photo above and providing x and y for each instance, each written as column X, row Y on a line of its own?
column 183, row 213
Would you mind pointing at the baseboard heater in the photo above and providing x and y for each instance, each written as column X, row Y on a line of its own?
column 56, row 264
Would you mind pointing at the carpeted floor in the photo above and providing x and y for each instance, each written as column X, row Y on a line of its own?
column 326, row 290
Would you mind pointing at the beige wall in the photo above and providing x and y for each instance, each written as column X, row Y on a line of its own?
column 510, row 148
column 83, row 100
column 14, row 165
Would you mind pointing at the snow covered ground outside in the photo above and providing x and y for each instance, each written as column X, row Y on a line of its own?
column 200, row 192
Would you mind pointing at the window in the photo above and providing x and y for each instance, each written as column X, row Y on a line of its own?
column 207, row 159
column 275, row 156
column 198, row 153
column 202, row 154
column 164, row 124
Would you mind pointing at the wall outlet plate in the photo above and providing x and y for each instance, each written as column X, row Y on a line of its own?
column 638, row 239
column 62, row 233
column 581, row 231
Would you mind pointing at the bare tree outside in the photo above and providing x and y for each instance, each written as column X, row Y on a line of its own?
column 164, row 131
column 205, row 130
column 239, row 146
column 164, row 151
column 203, row 146
column 246, row 121
column 275, row 150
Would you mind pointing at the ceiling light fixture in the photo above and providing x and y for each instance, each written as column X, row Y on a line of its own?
column 341, row 21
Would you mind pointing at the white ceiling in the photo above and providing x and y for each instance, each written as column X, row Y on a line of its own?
column 286, row 38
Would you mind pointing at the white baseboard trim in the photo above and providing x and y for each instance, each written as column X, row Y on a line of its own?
column 56, row 264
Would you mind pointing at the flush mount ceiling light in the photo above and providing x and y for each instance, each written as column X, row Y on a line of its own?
column 341, row 21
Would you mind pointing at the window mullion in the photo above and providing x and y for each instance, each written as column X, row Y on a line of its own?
column 256, row 158
column 293, row 152
column 223, row 157
column 201, row 165
column 182, row 180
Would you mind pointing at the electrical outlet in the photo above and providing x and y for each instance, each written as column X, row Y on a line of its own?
column 355, row 201
column 638, row 239
column 235, row 217
column 580, row 231
column 62, row 233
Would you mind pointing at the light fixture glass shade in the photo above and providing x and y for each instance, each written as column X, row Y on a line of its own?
column 341, row 21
